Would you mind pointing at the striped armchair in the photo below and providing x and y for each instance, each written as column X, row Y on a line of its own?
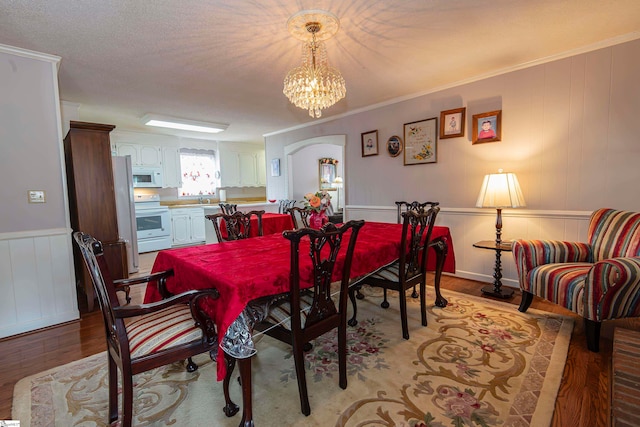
column 599, row 280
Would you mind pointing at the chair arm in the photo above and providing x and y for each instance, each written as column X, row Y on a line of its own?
column 160, row 278
column 529, row 254
column 186, row 297
column 612, row 288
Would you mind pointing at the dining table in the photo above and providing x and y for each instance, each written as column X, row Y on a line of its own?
column 271, row 223
column 252, row 269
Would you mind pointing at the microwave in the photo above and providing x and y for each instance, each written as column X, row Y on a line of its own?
column 147, row 177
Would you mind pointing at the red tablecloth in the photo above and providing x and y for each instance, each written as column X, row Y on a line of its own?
column 246, row 269
column 271, row 223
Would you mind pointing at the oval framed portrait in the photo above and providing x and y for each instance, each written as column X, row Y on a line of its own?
column 394, row 146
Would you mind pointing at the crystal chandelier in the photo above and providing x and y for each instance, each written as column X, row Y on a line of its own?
column 314, row 85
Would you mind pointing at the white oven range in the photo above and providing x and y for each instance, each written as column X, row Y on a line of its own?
column 153, row 223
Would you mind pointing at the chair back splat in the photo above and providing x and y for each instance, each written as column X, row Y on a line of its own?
column 299, row 217
column 312, row 307
column 412, row 206
column 228, row 208
column 285, row 204
column 143, row 337
column 235, row 226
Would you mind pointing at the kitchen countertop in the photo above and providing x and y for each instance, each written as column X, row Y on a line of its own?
column 214, row 204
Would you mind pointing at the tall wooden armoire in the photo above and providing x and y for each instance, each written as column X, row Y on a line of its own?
column 92, row 202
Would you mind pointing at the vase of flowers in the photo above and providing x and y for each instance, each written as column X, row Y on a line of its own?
column 317, row 203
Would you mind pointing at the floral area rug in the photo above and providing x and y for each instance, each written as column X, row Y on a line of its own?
column 479, row 362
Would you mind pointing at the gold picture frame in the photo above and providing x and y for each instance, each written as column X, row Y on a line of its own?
column 487, row 127
column 452, row 123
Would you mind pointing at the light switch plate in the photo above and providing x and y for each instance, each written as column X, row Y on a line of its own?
column 36, row 196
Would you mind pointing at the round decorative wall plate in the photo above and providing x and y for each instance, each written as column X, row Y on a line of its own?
column 394, row 146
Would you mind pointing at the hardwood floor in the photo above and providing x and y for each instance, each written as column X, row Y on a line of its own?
column 583, row 398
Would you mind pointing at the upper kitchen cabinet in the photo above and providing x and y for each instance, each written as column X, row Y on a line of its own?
column 141, row 155
column 242, row 166
column 171, row 167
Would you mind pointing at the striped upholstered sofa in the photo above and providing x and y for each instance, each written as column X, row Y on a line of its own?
column 599, row 280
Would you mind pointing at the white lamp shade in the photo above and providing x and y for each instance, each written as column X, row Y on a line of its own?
column 500, row 190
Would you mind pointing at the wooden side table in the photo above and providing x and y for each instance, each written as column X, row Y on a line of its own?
column 497, row 290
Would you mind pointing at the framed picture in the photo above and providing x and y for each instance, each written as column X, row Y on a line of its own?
column 420, row 143
column 275, row 167
column 370, row 143
column 487, row 127
column 452, row 123
column 327, row 173
column 394, row 146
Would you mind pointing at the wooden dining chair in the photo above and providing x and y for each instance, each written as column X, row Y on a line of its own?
column 285, row 204
column 236, row 226
column 410, row 269
column 403, row 206
column 299, row 217
column 228, row 208
column 305, row 314
column 143, row 337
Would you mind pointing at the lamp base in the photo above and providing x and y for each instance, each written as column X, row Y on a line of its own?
column 497, row 292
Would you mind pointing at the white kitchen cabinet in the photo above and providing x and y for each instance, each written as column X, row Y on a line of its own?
column 187, row 226
column 248, row 169
column 171, row 167
column 242, row 167
column 261, row 169
column 141, row 154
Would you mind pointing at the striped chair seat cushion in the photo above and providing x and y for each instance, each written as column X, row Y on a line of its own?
column 389, row 272
column 280, row 313
column 560, row 283
column 161, row 330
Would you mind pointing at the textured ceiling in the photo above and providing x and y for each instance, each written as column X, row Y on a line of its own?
column 225, row 60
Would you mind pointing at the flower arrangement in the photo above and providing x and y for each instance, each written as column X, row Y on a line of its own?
column 318, row 201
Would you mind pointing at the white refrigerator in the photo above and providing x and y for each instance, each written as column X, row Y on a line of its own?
column 125, row 208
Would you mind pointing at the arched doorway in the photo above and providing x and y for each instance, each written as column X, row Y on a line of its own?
column 300, row 169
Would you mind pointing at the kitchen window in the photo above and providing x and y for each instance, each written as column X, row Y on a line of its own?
column 199, row 172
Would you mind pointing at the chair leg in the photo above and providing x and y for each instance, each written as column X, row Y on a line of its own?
column 342, row 354
column 423, row 302
column 352, row 296
column 113, row 389
column 414, row 294
column 592, row 331
column 527, row 299
column 385, row 303
column 127, row 398
column 298, row 358
column 191, row 365
column 403, row 314
column 230, row 408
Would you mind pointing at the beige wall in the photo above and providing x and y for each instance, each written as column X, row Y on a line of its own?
column 570, row 132
column 30, row 141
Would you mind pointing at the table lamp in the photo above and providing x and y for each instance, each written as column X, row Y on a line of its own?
column 337, row 182
column 499, row 190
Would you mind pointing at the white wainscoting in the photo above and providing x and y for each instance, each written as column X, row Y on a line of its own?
column 470, row 225
column 36, row 280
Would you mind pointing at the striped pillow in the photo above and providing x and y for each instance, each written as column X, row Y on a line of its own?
column 161, row 330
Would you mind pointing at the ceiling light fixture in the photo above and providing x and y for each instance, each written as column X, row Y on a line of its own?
column 183, row 124
column 314, row 85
